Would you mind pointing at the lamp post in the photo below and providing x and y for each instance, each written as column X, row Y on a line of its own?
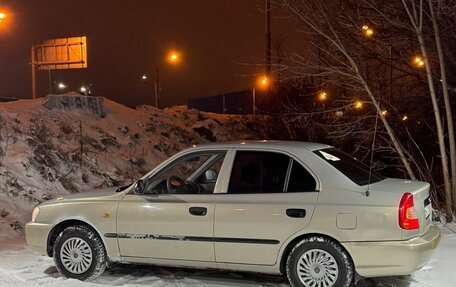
column 263, row 83
column 173, row 58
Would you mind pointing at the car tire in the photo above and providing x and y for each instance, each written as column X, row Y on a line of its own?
column 79, row 253
column 319, row 260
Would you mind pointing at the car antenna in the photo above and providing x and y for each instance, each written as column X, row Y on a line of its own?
column 372, row 155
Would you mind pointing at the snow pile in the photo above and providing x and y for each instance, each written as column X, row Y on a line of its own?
column 47, row 153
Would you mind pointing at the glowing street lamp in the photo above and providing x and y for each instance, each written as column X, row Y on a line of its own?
column 418, row 61
column 262, row 83
column 83, row 90
column 358, row 105
column 404, row 118
column 2, row 16
column 173, row 57
column 368, row 32
column 384, row 112
column 62, row 86
column 322, row 96
column 144, row 77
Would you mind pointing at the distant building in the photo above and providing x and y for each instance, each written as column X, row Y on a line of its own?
column 7, row 99
column 231, row 103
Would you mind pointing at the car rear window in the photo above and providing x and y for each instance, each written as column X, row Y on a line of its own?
column 352, row 168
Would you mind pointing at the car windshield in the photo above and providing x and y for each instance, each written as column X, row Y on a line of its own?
column 352, row 168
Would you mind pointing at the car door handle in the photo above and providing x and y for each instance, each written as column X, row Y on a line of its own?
column 198, row 211
column 296, row 213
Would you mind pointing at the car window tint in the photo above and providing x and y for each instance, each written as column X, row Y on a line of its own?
column 186, row 168
column 258, row 172
column 349, row 166
column 208, row 179
column 300, row 179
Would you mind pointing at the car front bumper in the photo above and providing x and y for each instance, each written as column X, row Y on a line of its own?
column 390, row 258
column 36, row 235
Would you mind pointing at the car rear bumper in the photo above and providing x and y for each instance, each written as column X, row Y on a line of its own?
column 389, row 258
column 36, row 235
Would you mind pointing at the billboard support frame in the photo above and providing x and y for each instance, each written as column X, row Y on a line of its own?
column 57, row 54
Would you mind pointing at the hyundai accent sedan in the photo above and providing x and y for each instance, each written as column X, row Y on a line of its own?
column 305, row 210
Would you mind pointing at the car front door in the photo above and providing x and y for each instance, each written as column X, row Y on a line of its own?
column 173, row 220
column 270, row 196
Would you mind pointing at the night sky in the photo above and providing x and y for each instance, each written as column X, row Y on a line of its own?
column 221, row 41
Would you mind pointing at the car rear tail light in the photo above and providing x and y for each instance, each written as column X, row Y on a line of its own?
column 408, row 219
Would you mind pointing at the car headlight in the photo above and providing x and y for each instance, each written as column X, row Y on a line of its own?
column 35, row 213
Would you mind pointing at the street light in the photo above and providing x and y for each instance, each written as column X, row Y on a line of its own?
column 83, row 90
column 418, row 61
column 368, row 32
column 2, row 16
column 322, row 96
column 358, row 105
column 172, row 58
column 144, row 77
column 263, row 83
column 62, row 86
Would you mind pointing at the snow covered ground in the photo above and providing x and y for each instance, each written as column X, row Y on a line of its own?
column 20, row 267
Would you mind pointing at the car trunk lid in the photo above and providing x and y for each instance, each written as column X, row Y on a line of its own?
column 421, row 200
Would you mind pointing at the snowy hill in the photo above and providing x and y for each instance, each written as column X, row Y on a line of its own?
column 48, row 153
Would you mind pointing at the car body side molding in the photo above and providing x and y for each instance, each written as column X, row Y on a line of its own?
column 192, row 238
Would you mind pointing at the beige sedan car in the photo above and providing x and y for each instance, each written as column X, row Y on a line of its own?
column 306, row 210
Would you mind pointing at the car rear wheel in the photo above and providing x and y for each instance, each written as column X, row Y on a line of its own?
column 79, row 253
column 319, row 262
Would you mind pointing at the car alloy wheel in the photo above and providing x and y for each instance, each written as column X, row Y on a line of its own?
column 76, row 255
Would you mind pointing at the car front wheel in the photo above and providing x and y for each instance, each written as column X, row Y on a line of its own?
column 79, row 253
column 319, row 262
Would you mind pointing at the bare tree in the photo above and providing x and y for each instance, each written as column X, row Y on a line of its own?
column 364, row 67
column 416, row 12
column 343, row 65
column 446, row 96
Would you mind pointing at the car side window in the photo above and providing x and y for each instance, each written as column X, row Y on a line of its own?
column 208, row 179
column 258, row 172
column 197, row 174
column 300, row 179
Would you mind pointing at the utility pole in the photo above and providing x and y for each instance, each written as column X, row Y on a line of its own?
column 157, row 88
column 268, row 38
column 254, row 101
column 33, row 72
column 50, row 82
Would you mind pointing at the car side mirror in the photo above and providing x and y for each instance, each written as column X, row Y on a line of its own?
column 210, row 176
column 139, row 186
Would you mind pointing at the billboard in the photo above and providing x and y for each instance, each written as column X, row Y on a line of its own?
column 60, row 54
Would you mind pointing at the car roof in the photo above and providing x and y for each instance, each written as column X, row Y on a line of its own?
column 265, row 144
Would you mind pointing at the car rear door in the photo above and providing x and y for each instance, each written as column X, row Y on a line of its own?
column 269, row 197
